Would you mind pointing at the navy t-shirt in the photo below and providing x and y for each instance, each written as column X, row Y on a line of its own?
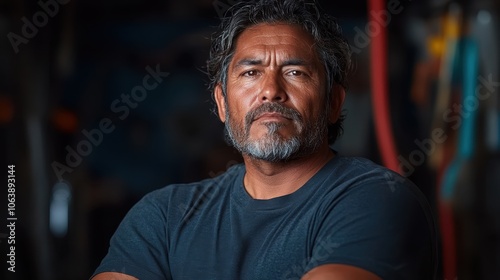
column 351, row 212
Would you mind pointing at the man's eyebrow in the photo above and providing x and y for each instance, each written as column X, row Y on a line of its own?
column 247, row 62
column 295, row 61
column 287, row 62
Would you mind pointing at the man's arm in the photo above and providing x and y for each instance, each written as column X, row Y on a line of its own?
column 339, row 272
column 322, row 272
column 113, row 276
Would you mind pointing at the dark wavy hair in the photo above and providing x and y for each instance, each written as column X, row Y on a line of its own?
column 331, row 46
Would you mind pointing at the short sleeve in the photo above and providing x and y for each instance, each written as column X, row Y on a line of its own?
column 387, row 229
column 138, row 247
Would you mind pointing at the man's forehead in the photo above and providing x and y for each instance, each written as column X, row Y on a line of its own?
column 290, row 42
column 275, row 33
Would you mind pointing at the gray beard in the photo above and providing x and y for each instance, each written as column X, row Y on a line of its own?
column 273, row 147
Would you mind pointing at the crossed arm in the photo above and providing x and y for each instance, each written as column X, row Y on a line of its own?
column 322, row 272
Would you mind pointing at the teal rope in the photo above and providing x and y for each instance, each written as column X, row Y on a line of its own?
column 470, row 103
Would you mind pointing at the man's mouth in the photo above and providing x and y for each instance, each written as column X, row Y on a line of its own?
column 271, row 116
column 271, row 112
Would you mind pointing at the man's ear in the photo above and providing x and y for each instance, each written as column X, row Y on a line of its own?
column 220, row 100
column 337, row 100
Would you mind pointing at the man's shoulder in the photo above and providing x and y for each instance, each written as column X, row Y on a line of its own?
column 377, row 183
column 358, row 164
column 364, row 170
column 362, row 176
column 188, row 190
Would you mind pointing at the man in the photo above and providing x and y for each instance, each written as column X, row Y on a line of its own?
column 295, row 209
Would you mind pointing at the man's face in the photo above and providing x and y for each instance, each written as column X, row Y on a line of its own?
column 275, row 108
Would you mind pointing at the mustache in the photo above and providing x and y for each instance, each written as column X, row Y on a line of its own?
column 272, row 107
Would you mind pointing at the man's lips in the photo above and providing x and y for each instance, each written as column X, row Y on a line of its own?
column 271, row 115
column 271, row 111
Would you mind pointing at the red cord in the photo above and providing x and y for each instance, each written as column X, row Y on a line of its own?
column 448, row 240
column 446, row 222
column 380, row 98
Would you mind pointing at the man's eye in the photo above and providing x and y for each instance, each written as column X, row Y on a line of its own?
column 296, row 73
column 250, row 73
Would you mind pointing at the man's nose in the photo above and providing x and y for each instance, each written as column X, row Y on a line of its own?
column 273, row 89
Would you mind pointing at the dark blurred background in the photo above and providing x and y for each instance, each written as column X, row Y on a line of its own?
column 88, row 140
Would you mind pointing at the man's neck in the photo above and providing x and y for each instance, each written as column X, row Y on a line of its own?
column 266, row 180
